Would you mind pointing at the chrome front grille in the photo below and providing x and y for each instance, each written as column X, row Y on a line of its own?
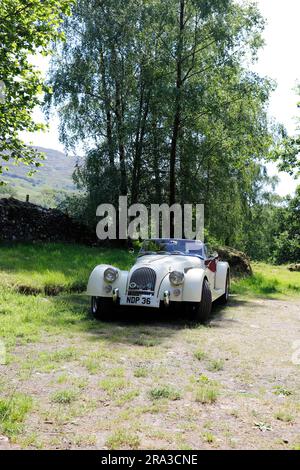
column 142, row 281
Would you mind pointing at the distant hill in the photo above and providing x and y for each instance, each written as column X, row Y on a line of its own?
column 53, row 177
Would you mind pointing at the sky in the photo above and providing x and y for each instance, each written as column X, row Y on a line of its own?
column 278, row 60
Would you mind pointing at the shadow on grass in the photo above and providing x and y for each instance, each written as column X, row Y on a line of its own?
column 128, row 326
column 142, row 326
column 138, row 326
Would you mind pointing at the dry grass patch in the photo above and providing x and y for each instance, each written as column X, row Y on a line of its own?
column 123, row 439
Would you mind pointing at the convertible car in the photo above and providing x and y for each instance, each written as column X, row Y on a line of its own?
column 167, row 272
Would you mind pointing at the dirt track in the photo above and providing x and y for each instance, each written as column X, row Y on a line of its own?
column 245, row 355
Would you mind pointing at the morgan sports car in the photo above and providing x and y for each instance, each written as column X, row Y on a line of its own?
column 167, row 272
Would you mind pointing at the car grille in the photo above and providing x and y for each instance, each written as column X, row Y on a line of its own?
column 142, row 281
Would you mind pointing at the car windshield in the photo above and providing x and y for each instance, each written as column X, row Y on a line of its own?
column 172, row 247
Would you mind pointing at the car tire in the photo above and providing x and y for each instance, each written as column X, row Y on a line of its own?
column 223, row 300
column 203, row 309
column 101, row 309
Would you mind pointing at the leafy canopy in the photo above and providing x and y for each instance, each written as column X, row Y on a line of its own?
column 27, row 27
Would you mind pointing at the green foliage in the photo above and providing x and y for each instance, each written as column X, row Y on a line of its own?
column 288, row 154
column 149, row 98
column 286, row 231
column 26, row 28
column 287, row 150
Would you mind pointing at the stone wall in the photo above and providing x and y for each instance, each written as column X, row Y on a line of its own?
column 26, row 222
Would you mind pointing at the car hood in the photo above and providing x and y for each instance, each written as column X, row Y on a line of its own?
column 163, row 264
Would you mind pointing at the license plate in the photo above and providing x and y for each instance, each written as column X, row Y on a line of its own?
column 139, row 300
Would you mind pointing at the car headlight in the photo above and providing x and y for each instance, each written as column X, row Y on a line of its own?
column 176, row 278
column 110, row 275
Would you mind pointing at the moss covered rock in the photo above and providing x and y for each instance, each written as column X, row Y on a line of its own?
column 238, row 261
column 294, row 267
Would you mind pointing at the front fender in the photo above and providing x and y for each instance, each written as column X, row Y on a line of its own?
column 96, row 285
column 191, row 290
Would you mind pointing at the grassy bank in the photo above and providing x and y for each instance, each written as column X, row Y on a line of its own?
column 269, row 281
column 53, row 267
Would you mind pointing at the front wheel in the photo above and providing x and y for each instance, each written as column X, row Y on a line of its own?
column 101, row 309
column 202, row 310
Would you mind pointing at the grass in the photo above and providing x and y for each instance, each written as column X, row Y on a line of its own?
column 81, row 371
column 200, row 355
column 215, row 365
column 164, row 392
column 126, row 397
column 141, row 372
column 206, row 390
column 52, row 268
column 23, row 318
column 279, row 390
column 206, row 394
column 123, row 439
column 113, row 385
column 268, row 281
column 64, row 397
column 13, row 411
column 284, row 415
column 208, row 437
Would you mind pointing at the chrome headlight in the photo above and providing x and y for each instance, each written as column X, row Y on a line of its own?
column 176, row 278
column 110, row 275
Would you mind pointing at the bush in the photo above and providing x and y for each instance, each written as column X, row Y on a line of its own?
column 287, row 249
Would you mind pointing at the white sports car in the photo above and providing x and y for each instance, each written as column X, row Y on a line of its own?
column 167, row 272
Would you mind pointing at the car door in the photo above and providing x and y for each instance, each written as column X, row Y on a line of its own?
column 211, row 260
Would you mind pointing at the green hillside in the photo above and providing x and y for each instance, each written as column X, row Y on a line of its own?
column 51, row 181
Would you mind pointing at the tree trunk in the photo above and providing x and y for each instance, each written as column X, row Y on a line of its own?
column 156, row 162
column 139, row 142
column 108, row 112
column 119, row 112
column 177, row 114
